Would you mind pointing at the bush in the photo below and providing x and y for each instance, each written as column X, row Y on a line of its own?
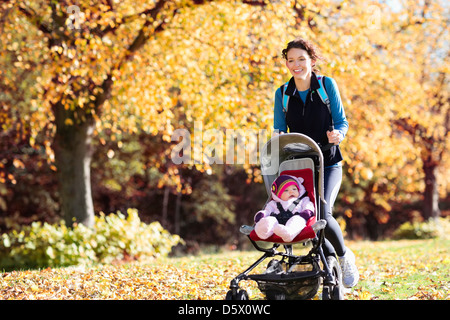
column 113, row 237
column 423, row 230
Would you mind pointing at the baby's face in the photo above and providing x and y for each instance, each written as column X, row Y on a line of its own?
column 290, row 192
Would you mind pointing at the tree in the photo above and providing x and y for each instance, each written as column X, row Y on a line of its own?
column 426, row 117
column 80, row 52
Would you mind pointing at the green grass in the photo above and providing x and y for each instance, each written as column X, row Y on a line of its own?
column 404, row 269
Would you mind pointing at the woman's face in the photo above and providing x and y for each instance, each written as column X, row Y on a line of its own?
column 299, row 63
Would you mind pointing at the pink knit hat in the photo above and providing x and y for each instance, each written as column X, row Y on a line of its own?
column 281, row 183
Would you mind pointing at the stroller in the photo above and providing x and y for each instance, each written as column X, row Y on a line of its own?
column 290, row 276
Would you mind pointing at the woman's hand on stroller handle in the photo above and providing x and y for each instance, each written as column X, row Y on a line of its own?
column 277, row 133
column 334, row 136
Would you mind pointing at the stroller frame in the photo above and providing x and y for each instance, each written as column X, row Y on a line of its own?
column 281, row 280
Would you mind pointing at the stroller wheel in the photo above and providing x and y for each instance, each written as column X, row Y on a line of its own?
column 241, row 295
column 229, row 295
column 335, row 291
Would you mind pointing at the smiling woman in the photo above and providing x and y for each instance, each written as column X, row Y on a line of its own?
column 323, row 121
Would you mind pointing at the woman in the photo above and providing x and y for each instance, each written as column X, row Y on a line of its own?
column 307, row 114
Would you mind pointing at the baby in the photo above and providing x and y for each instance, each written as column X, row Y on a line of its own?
column 288, row 211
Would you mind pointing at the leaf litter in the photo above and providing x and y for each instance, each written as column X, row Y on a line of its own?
column 388, row 270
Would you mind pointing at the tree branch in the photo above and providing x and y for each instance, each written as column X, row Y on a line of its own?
column 261, row 3
column 138, row 42
column 152, row 13
column 142, row 36
column 34, row 19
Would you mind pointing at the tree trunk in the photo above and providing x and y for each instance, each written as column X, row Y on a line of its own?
column 165, row 205
column 431, row 195
column 73, row 154
column 177, row 213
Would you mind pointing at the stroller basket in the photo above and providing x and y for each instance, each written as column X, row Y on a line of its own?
column 299, row 286
column 286, row 277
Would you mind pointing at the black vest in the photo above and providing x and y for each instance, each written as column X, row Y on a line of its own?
column 311, row 118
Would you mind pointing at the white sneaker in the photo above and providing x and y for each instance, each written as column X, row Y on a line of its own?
column 350, row 274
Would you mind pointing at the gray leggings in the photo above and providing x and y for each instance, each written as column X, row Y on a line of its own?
column 334, row 240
